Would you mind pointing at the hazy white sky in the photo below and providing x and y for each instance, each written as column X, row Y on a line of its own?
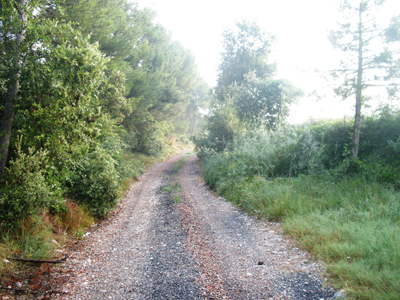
column 301, row 29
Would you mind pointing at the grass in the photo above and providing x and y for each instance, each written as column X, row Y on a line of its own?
column 138, row 164
column 189, row 154
column 362, row 251
column 175, row 187
column 177, row 199
column 352, row 224
column 179, row 164
column 32, row 239
column 345, row 212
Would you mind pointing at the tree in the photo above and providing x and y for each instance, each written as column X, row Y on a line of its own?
column 246, row 49
column 13, row 16
column 360, row 38
column 117, row 25
column 59, row 110
column 246, row 77
column 263, row 101
column 191, row 120
column 246, row 92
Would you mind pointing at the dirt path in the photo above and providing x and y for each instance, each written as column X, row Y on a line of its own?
column 169, row 244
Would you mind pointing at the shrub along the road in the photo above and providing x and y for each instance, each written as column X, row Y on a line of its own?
column 344, row 212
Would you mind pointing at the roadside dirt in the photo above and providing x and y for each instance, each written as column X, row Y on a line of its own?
column 187, row 244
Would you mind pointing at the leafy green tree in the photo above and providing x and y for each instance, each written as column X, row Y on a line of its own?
column 360, row 37
column 59, row 107
column 263, row 100
column 14, row 21
column 246, row 93
column 164, row 85
column 221, row 125
column 246, row 49
column 117, row 25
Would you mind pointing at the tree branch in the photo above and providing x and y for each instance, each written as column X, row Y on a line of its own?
column 59, row 261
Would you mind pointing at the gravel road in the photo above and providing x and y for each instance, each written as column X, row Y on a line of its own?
column 171, row 238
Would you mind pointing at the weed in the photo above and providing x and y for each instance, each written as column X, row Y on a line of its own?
column 190, row 154
column 350, row 220
column 173, row 191
column 173, row 188
column 76, row 218
column 179, row 164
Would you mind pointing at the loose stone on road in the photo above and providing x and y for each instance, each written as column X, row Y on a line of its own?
column 188, row 244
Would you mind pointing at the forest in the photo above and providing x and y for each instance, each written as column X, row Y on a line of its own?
column 94, row 92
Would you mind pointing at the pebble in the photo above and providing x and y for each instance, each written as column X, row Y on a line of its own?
column 147, row 251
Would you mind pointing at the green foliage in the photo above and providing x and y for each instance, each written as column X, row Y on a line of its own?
column 31, row 240
column 97, row 83
column 26, row 191
column 288, row 151
column 263, row 100
column 177, row 199
column 59, row 109
column 153, row 140
column 221, row 125
column 179, row 164
column 371, row 57
column 95, row 182
column 378, row 152
column 175, row 187
column 350, row 221
column 246, row 94
column 246, row 49
column 191, row 120
column 345, row 211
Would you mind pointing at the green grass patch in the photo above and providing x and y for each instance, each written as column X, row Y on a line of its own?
column 179, row 164
column 352, row 224
column 175, row 187
column 346, row 212
column 190, row 154
column 177, row 199
column 173, row 191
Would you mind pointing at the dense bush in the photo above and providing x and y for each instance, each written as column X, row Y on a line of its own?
column 26, row 190
column 379, row 133
column 154, row 139
column 288, row 151
column 95, row 182
column 221, row 126
column 333, row 205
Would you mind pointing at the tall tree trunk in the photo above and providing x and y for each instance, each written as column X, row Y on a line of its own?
column 13, row 85
column 359, row 87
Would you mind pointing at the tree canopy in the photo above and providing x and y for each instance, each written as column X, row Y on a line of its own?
column 247, row 94
column 246, row 49
column 83, row 85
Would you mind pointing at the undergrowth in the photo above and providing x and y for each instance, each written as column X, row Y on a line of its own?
column 347, row 215
column 43, row 230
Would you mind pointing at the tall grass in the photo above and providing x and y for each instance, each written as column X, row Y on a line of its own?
column 352, row 222
column 289, row 150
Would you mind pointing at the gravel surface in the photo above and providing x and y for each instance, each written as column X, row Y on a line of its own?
column 201, row 247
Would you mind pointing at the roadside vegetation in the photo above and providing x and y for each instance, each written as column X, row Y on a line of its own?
column 334, row 185
column 346, row 212
column 91, row 94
